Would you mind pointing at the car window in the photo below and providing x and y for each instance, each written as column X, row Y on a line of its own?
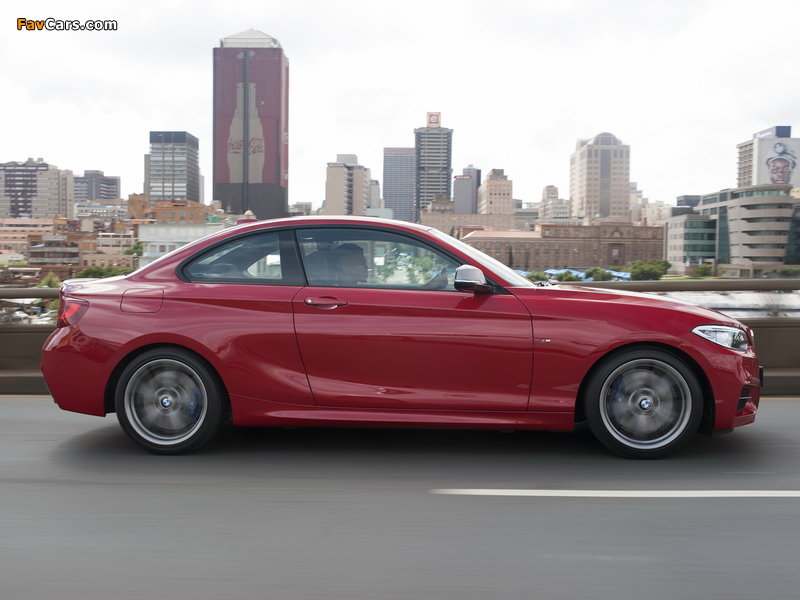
column 355, row 257
column 265, row 258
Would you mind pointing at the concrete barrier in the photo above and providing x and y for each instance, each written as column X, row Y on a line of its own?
column 20, row 354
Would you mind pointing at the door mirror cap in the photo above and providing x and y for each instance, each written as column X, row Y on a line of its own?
column 471, row 279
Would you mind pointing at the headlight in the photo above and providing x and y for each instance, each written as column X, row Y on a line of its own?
column 729, row 337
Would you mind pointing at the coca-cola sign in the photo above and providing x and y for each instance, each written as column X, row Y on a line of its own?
column 256, row 146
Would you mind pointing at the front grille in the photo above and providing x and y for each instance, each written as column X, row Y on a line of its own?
column 743, row 397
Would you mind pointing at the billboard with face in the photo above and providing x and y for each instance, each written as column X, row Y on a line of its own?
column 775, row 159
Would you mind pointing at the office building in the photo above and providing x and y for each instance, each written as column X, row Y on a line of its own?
column 172, row 169
column 35, row 190
column 690, row 240
column 251, row 125
column 753, row 232
column 600, row 179
column 465, row 190
column 433, row 148
column 552, row 207
column 348, row 187
column 95, row 186
column 398, row 182
column 496, row 194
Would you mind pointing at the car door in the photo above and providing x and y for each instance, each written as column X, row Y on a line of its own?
column 391, row 341
column 245, row 287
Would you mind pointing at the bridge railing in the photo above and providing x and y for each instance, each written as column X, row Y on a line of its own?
column 777, row 339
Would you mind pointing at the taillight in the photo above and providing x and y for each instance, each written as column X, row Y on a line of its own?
column 70, row 311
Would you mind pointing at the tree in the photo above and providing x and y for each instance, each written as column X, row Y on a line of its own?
column 663, row 264
column 50, row 280
column 788, row 271
column 567, row 276
column 102, row 272
column 537, row 276
column 644, row 271
column 598, row 274
column 703, row 271
column 137, row 248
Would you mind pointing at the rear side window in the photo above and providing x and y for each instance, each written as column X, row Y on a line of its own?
column 268, row 258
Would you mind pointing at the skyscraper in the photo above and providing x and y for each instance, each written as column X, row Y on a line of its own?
column 398, row 182
column 35, row 190
column 496, row 194
column 95, row 185
column 465, row 191
column 251, row 125
column 599, row 179
column 172, row 169
column 434, row 154
column 348, row 187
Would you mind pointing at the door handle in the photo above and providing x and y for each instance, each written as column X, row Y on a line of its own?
column 325, row 302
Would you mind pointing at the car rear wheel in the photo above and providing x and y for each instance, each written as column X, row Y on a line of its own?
column 169, row 402
column 644, row 403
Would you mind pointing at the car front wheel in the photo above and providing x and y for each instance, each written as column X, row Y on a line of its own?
column 169, row 402
column 644, row 403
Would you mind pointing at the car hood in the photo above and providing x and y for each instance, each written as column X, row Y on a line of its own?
column 627, row 298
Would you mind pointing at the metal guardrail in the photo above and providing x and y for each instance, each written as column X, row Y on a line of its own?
column 777, row 339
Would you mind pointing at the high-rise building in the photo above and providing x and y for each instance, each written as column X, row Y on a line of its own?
column 433, row 158
column 251, row 125
column 35, row 190
column 599, row 181
column 465, row 191
column 348, row 187
column 553, row 207
column 495, row 195
column 398, row 182
column 770, row 157
column 172, row 169
column 96, row 186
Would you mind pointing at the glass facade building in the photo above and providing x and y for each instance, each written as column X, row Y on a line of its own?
column 398, row 182
column 172, row 169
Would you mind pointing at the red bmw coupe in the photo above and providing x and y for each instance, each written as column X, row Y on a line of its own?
column 359, row 322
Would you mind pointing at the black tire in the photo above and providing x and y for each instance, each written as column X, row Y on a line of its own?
column 644, row 403
column 169, row 402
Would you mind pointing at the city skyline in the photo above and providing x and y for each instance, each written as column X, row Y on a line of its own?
column 568, row 71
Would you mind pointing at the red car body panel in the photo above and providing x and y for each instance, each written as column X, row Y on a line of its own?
column 382, row 357
column 580, row 325
column 361, row 353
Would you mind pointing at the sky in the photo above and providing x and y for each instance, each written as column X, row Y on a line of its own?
column 519, row 82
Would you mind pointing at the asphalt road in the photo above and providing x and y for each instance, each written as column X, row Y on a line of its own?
column 328, row 514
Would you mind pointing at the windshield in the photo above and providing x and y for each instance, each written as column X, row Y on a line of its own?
column 510, row 275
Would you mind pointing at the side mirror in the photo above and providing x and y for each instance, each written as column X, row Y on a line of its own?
column 471, row 279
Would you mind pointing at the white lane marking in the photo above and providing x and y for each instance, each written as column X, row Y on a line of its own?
column 623, row 493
